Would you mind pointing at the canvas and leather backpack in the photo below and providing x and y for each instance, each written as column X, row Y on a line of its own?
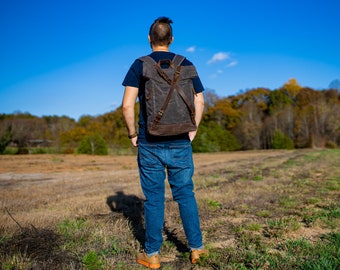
column 169, row 96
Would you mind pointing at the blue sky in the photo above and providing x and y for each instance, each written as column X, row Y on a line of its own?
column 69, row 57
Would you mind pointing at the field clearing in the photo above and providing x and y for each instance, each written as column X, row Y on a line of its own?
column 250, row 202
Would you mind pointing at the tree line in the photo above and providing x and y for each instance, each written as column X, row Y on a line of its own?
column 289, row 117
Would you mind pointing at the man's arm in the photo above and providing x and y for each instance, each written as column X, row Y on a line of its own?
column 199, row 108
column 128, row 106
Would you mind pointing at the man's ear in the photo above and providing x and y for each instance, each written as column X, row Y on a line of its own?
column 172, row 39
column 149, row 38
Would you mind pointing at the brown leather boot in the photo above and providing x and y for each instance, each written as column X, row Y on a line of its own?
column 152, row 262
column 196, row 253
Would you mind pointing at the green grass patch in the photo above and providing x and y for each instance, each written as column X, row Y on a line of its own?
column 290, row 163
column 325, row 254
column 214, row 204
column 254, row 227
column 288, row 201
column 291, row 254
column 74, row 230
column 313, row 200
column 276, row 228
column 92, row 261
column 263, row 213
column 333, row 184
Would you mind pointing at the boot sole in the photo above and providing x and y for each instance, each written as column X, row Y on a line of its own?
column 148, row 265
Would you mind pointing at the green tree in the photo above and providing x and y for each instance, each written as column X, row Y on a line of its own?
column 281, row 141
column 214, row 138
column 278, row 99
column 93, row 145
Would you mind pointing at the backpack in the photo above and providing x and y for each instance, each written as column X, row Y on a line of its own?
column 169, row 96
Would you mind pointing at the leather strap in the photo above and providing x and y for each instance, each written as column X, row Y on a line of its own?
column 172, row 83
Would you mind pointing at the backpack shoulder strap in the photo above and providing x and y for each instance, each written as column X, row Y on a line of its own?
column 177, row 60
column 148, row 66
column 147, row 59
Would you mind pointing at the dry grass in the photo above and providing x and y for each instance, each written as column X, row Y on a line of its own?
column 89, row 210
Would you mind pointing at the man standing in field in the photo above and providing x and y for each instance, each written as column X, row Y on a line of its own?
column 160, row 154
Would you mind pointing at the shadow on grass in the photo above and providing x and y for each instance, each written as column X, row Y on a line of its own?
column 42, row 246
column 131, row 207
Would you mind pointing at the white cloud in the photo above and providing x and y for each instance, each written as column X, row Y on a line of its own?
column 232, row 64
column 191, row 49
column 220, row 56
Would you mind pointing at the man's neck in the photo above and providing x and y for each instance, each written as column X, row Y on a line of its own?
column 160, row 48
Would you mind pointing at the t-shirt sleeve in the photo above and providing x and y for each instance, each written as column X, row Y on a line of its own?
column 132, row 77
column 198, row 86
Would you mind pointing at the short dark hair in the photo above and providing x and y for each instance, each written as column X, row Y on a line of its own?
column 161, row 31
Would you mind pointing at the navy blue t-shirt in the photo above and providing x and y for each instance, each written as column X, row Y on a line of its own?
column 134, row 78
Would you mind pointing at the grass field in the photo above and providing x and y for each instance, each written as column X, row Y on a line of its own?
column 259, row 210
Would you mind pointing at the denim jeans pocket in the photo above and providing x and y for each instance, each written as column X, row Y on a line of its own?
column 181, row 155
column 147, row 155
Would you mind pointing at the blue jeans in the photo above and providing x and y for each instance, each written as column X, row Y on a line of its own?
column 153, row 162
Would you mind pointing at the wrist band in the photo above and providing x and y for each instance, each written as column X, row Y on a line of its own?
column 132, row 135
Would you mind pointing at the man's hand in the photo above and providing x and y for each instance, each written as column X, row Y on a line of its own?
column 192, row 135
column 134, row 141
